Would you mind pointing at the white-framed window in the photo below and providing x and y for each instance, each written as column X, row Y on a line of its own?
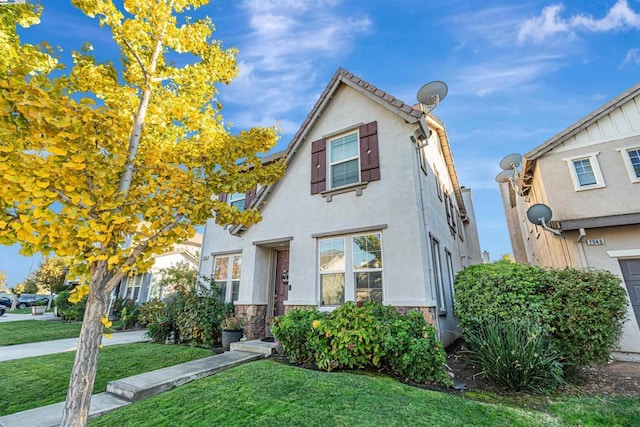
column 134, row 285
column 631, row 158
column 344, row 160
column 237, row 200
column 438, row 184
column 585, row 171
column 450, row 272
column 226, row 273
column 367, row 267
column 350, row 269
column 424, row 161
column 437, row 276
column 332, row 271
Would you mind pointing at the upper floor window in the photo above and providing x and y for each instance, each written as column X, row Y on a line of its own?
column 585, row 171
column 631, row 157
column 344, row 160
column 237, row 200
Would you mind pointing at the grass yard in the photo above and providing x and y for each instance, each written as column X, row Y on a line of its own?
column 26, row 331
column 268, row 393
column 43, row 380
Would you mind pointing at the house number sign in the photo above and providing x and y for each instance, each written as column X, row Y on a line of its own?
column 595, row 242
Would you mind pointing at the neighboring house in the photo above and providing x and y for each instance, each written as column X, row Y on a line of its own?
column 589, row 175
column 364, row 212
column 144, row 287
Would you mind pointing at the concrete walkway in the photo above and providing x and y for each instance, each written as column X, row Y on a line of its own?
column 14, row 317
column 42, row 348
column 125, row 391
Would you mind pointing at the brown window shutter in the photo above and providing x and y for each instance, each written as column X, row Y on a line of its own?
column 249, row 197
column 222, row 197
column 369, row 158
column 318, row 166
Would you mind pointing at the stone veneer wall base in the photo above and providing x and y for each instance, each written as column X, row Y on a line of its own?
column 255, row 317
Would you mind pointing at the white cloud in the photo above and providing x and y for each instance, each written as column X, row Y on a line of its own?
column 286, row 42
column 505, row 73
column 633, row 57
column 550, row 23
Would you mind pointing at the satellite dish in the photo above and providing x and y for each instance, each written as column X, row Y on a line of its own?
column 539, row 214
column 506, row 176
column 512, row 161
column 432, row 93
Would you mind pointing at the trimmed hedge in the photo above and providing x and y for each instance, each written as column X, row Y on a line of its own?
column 582, row 310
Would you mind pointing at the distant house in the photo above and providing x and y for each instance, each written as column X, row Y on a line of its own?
column 589, row 175
column 368, row 210
column 145, row 286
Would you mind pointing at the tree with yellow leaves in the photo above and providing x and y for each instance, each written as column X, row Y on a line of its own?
column 107, row 165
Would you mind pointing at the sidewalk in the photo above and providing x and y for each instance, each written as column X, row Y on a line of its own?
column 42, row 348
column 14, row 317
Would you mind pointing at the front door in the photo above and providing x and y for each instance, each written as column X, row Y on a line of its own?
column 282, row 282
column 631, row 273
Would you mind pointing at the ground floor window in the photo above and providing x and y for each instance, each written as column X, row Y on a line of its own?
column 226, row 273
column 350, row 269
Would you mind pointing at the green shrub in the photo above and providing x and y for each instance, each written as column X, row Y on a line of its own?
column 414, row 351
column 582, row 310
column 363, row 335
column 501, row 290
column 294, row 331
column 589, row 308
column 516, row 355
column 196, row 315
column 71, row 311
column 159, row 331
column 151, row 311
column 129, row 314
column 351, row 336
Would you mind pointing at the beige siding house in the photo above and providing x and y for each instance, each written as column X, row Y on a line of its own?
column 589, row 175
column 370, row 208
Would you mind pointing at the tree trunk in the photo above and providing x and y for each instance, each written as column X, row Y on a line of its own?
column 76, row 409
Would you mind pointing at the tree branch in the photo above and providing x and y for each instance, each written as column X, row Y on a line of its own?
column 136, row 133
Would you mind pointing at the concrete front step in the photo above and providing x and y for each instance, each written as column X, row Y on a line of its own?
column 149, row 384
column 254, row 346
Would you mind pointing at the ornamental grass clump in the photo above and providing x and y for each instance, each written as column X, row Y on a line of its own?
column 516, row 355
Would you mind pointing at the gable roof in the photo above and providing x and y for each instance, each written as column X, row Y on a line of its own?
column 580, row 125
column 409, row 113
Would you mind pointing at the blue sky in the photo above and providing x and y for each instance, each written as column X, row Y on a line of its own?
column 518, row 72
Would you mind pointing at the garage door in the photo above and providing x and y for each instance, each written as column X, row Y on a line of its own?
column 631, row 273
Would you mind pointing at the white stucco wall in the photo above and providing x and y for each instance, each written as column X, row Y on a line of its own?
column 403, row 202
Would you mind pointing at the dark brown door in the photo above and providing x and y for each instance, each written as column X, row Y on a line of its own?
column 631, row 273
column 282, row 282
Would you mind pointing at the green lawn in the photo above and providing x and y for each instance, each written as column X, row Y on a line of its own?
column 268, row 393
column 43, row 380
column 26, row 331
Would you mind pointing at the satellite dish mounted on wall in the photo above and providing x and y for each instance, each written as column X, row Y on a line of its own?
column 431, row 94
column 512, row 161
column 540, row 214
column 506, row 176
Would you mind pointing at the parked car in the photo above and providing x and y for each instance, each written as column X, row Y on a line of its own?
column 6, row 302
column 28, row 301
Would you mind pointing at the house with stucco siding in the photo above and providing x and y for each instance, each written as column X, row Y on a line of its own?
column 589, row 175
column 370, row 208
